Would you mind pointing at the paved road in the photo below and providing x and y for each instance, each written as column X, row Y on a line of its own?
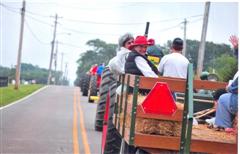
column 55, row 120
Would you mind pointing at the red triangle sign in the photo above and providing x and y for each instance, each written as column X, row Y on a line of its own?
column 159, row 100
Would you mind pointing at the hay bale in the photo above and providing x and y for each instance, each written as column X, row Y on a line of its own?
column 158, row 127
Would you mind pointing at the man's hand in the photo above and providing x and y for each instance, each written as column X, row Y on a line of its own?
column 234, row 40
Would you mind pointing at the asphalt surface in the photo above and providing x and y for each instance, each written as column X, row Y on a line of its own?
column 44, row 123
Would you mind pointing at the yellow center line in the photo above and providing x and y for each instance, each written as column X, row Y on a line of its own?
column 75, row 127
column 82, row 125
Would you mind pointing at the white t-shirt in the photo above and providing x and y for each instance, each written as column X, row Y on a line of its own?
column 174, row 65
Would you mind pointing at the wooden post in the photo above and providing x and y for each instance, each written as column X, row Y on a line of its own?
column 184, row 38
column 203, row 39
column 51, row 55
column 18, row 66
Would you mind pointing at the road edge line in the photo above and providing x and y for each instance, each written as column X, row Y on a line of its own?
column 24, row 98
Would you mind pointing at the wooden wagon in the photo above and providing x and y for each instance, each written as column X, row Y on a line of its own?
column 155, row 132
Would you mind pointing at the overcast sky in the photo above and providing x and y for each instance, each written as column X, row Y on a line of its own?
column 79, row 22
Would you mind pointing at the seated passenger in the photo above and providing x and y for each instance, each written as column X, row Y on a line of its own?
column 174, row 64
column 116, row 64
column 137, row 62
column 227, row 106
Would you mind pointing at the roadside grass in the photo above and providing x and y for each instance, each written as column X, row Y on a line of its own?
column 9, row 94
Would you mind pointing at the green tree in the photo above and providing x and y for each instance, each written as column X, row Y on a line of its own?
column 100, row 52
column 30, row 72
column 212, row 51
column 225, row 66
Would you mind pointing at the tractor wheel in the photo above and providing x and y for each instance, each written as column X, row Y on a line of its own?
column 81, row 83
column 85, row 84
column 107, row 80
column 127, row 149
column 113, row 138
column 92, row 88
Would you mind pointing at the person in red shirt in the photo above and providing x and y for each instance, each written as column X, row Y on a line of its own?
column 93, row 69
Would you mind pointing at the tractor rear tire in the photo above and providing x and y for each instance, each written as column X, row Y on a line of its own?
column 92, row 88
column 113, row 138
column 106, row 81
column 85, row 84
column 127, row 149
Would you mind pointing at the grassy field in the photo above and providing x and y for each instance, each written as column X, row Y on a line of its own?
column 9, row 94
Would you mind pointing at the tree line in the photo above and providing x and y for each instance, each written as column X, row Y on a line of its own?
column 218, row 58
column 30, row 72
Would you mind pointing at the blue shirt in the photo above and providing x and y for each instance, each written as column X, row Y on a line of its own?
column 233, row 89
column 100, row 69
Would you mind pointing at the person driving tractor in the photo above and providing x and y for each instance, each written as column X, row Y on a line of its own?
column 93, row 69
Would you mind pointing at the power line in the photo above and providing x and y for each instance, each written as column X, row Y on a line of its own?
column 71, row 45
column 43, row 22
column 31, row 14
column 33, row 18
column 29, row 28
column 81, row 32
column 9, row 8
column 195, row 20
column 172, row 27
column 94, row 8
column 105, row 34
column 36, row 14
column 27, row 11
column 93, row 22
column 40, row 21
column 126, row 24
column 103, row 23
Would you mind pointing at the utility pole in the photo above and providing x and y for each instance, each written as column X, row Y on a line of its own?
column 18, row 66
column 184, row 37
column 62, row 68
column 66, row 70
column 55, row 61
column 65, row 74
column 51, row 55
column 203, row 39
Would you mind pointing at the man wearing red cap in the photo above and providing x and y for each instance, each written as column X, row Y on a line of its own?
column 137, row 62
